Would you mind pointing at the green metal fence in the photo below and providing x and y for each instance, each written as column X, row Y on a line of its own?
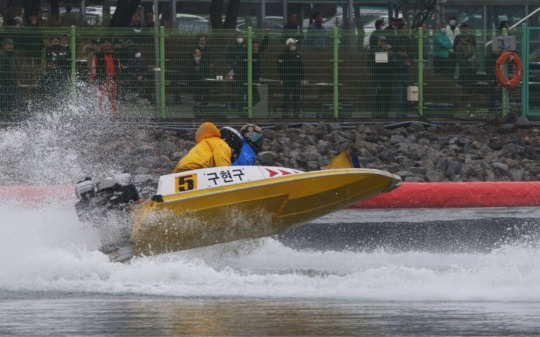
column 332, row 74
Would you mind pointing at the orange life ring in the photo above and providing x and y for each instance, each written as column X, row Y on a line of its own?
column 509, row 83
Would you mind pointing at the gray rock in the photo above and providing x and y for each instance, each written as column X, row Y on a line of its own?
column 267, row 158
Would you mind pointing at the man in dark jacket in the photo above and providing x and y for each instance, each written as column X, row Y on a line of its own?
column 382, row 78
column 198, row 71
column 8, row 77
column 292, row 29
column 291, row 73
column 241, row 76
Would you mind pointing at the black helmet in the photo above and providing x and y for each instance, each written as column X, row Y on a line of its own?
column 232, row 137
column 253, row 135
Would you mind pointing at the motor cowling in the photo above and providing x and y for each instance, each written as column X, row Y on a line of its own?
column 107, row 195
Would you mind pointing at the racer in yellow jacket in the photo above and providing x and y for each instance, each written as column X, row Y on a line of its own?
column 210, row 150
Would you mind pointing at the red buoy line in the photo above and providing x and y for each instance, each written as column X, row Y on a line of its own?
column 408, row 195
column 457, row 195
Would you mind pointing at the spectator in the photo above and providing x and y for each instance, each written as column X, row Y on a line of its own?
column 64, row 56
column 105, row 68
column 490, row 62
column 374, row 37
column 52, row 51
column 452, row 31
column 198, row 72
column 58, row 56
column 292, row 29
column 235, row 52
column 504, row 25
column 135, row 21
column 291, row 73
column 242, row 76
column 1, row 19
column 392, row 32
column 316, row 34
column 32, row 40
column 123, row 55
column 52, row 80
column 51, row 83
column 136, row 33
column 466, row 56
column 394, row 26
column 465, row 33
column 8, row 77
column 234, row 58
column 140, row 81
column 441, row 52
column 382, row 78
column 150, row 20
column 400, row 64
column 202, row 41
column 88, row 52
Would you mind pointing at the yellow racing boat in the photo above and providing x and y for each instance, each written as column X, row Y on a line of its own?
column 222, row 204
column 209, row 206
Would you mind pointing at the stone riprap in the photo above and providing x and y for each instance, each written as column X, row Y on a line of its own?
column 418, row 152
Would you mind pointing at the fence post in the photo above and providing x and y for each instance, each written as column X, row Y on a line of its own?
column 504, row 92
column 525, row 81
column 249, row 72
column 162, row 67
column 335, row 64
column 421, row 71
column 73, row 50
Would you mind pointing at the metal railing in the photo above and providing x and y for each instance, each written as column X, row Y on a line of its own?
column 333, row 74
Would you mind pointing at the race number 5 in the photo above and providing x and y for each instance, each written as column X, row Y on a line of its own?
column 186, row 183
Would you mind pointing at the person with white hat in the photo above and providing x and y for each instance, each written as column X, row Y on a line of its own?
column 291, row 73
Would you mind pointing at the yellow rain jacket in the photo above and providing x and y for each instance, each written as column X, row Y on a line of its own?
column 210, row 151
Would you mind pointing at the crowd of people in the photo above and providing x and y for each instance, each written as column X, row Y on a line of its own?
column 117, row 67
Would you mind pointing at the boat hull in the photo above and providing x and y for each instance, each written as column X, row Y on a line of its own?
column 251, row 209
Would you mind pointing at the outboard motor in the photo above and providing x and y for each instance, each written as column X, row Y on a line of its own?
column 106, row 205
column 105, row 195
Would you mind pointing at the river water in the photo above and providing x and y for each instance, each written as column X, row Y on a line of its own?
column 53, row 282
column 352, row 273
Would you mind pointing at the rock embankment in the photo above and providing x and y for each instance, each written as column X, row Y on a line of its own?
column 418, row 152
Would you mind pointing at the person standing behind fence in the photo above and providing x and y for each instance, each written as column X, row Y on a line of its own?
column 466, row 56
column 234, row 58
column 64, row 57
column 140, row 81
column 198, row 72
column 292, row 29
column 291, row 73
column 33, row 40
column 382, row 78
column 8, row 77
column 374, row 37
column 202, row 45
column 105, row 67
column 51, row 83
column 242, row 76
column 400, row 64
column 490, row 64
column 452, row 30
column 441, row 51
column 316, row 33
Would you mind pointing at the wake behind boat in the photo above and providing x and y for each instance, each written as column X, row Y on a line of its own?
column 215, row 205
